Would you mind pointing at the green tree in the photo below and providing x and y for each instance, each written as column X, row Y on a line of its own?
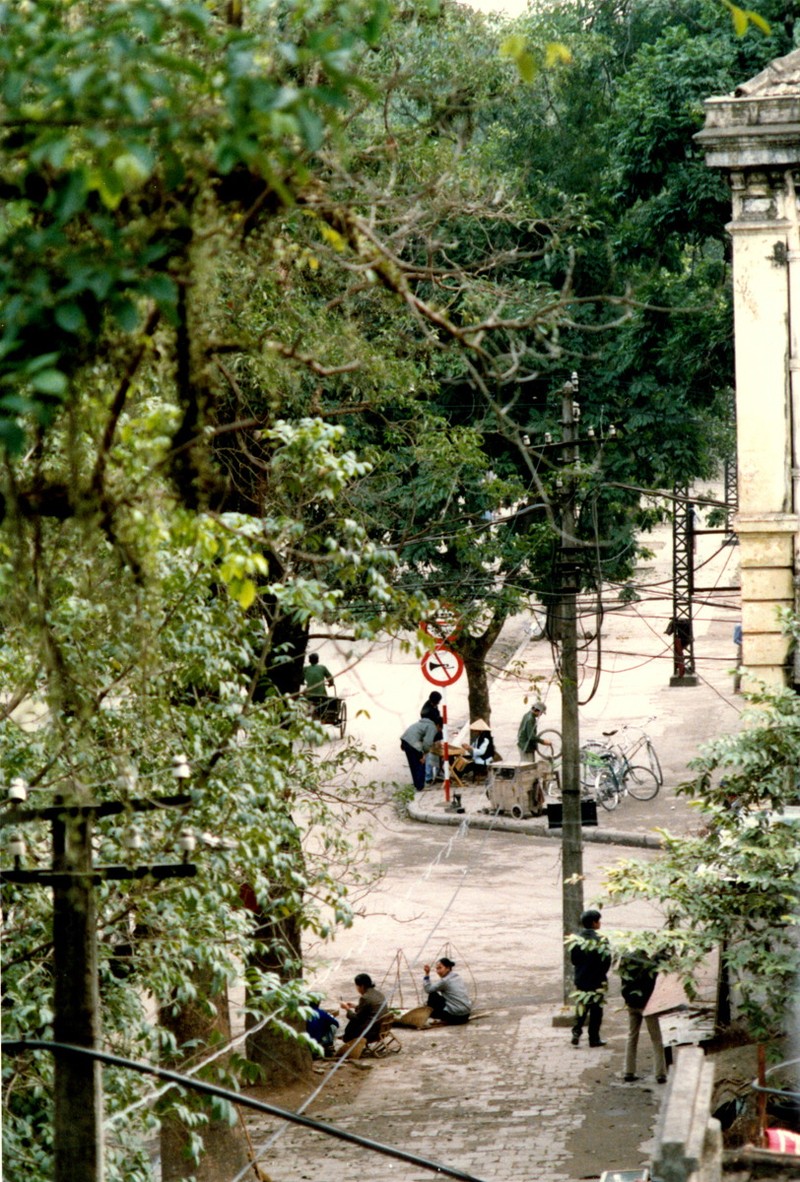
column 734, row 885
column 611, row 133
column 135, row 139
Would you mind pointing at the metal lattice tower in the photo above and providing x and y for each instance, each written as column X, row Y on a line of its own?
column 680, row 627
column 731, row 493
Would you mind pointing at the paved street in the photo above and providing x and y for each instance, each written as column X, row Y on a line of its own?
column 507, row 1097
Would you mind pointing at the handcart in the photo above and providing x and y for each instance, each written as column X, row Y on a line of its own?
column 518, row 788
column 332, row 712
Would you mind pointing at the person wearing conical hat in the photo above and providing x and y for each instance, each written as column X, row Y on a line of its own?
column 481, row 746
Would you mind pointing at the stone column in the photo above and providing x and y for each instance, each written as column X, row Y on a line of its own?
column 754, row 135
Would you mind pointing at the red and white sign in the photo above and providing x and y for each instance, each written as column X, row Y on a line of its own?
column 444, row 626
column 442, row 667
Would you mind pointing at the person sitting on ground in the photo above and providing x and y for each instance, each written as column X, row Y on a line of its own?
column 364, row 1018
column 447, row 997
column 322, row 1027
column 480, row 752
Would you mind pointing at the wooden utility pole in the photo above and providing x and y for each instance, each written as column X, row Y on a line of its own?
column 78, row 1092
column 571, row 835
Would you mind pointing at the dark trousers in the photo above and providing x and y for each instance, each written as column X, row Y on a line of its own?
column 437, row 1003
column 593, row 1016
column 416, row 764
column 358, row 1028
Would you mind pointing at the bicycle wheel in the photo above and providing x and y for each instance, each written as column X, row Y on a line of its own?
column 342, row 718
column 655, row 763
column 594, row 759
column 607, row 790
column 641, row 783
column 553, row 752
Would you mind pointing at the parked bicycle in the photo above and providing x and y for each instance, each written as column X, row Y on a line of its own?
column 636, row 746
column 607, row 774
column 607, row 771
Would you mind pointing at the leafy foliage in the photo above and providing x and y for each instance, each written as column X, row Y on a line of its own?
column 127, row 676
column 116, row 119
column 734, row 885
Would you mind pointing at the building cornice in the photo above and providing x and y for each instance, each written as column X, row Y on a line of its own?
column 758, row 126
column 766, row 523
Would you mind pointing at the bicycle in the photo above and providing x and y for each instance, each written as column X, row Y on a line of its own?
column 598, row 776
column 606, row 771
column 601, row 785
column 630, row 746
column 552, row 753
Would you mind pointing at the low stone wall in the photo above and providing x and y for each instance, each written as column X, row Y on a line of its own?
column 688, row 1140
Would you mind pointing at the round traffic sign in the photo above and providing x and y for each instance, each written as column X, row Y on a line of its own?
column 442, row 667
column 444, row 626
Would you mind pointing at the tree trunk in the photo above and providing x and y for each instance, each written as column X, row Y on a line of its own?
column 282, row 1060
column 202, row 1021
column 474, row 650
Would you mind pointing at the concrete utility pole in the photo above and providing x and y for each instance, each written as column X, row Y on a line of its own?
column 78, row 1092
column 571, row 836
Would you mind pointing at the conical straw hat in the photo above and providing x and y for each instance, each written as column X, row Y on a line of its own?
column 479, row 725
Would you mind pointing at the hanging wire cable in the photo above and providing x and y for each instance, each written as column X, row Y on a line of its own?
column 462, row 832
column 157, row 1093
column 17, row 1046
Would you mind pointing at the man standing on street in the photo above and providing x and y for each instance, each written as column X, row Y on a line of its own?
column 416, row 742
column 528, row 739
column 638, row 972
column 431, row 710
column 591, row 961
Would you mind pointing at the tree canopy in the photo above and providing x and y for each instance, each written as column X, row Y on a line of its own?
column 290, row 294
column 732, row 885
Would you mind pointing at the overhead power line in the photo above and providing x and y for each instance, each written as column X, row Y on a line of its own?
column 18, row 1046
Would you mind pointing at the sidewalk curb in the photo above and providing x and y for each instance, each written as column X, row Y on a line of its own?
column 531, row 828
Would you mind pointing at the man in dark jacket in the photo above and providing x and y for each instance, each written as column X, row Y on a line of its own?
column 638, row 973
column 591, row 961
column 431, row 710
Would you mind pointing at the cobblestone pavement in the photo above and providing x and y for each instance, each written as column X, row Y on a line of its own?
column 505, row 1098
